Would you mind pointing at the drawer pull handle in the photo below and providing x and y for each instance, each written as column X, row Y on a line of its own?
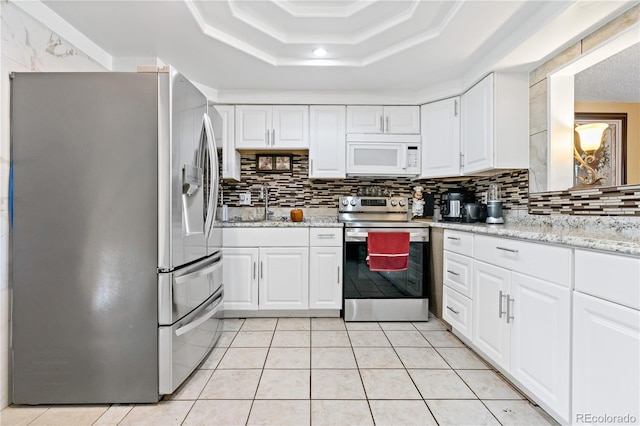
column 453, row 273
column 326, row 235
column 507, row 249
column 453, row 310
column 500, row 311
column 453, row 238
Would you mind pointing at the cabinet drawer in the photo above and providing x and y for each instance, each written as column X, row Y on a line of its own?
column 608, row 276
column 547, row 262
column 456, row 310
column 325, row 237
column 457, row 271
column 265, row 237
column 458, row 242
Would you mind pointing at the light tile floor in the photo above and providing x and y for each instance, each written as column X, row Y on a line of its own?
column 321, row 371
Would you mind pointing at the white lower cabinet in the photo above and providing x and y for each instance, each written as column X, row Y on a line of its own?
column 522, row 324
column 284, row 278
column 240, row 278
column 458, row 281
column 540, row 347
column 266, row 268
column 606, row 360
column 325, row 278
column 282, row 269
column 512, row 300
column 490, row 329
column 574, row 352
column 606, row 339
column 325, row 268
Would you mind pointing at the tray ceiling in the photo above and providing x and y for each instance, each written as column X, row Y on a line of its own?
column 373, row 46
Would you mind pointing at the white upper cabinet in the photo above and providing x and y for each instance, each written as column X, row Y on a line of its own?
column 327, row 141
column 441, row 138
column 272, row 127
column 230, row 157
column 495, row 124
column 383, row 119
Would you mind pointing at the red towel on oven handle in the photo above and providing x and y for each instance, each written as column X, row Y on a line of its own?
column 388, row 251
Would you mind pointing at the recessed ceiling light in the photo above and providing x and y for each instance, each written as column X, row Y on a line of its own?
column 319, row 52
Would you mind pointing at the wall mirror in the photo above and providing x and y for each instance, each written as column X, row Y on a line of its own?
column 600, row 86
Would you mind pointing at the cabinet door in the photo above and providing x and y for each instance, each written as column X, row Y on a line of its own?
column 477, row 127
column 240, row 278
column 327, row 142
column 230, row 157
column 490, row 328
column 325, row 278
column 290, row 127
column 364, row 119
column 540, row 339
column 253, row 126
column 606, row 350
column 284, row 278
column 441, row 138
column 402, row 120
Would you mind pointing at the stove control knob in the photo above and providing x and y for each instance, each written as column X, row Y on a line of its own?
column 394, row 203
column 403, row 203
column 353, row 202
column 345, row 202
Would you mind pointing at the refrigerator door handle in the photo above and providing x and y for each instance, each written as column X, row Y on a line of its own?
column 216, row 306
column 213, row 170
column 199, row 273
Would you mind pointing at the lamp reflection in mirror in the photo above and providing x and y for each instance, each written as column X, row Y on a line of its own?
column 590, row 137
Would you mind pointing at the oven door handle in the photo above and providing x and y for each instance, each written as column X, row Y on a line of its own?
column 356, row 236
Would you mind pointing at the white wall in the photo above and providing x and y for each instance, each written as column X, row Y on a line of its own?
column 27, row 45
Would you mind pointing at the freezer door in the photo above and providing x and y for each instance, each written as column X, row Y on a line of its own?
column 184, row 345
column 183, row 290
column 184, row 143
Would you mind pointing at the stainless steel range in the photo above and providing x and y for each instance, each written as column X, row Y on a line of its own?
column 383, row 296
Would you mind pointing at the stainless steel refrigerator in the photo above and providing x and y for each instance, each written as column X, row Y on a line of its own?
column 115, row 254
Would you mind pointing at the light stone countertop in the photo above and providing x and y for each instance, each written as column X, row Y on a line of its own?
column 307, row 222
column 610, row 240
column 597, row 234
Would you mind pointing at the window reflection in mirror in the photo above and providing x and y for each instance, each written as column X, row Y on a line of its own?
column 609, row 92
column 603, row 81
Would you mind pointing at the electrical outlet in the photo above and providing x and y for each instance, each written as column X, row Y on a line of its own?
column 245, row 199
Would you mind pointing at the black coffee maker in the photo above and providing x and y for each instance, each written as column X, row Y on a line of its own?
column 452, row 202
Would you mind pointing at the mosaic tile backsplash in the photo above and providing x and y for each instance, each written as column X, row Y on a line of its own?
column 295, row 189
column 609, row 201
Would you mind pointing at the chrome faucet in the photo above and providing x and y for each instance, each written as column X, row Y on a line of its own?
column 264, row 195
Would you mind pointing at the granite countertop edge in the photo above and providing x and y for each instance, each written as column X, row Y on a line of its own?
column 311, row 222
column 572, row 237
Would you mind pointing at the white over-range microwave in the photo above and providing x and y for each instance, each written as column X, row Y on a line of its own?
column 383, row 155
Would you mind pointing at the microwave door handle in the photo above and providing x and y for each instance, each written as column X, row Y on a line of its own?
column 404, row 157
column 213, row 175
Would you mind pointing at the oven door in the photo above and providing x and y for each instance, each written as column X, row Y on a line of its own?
column 386, row 296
